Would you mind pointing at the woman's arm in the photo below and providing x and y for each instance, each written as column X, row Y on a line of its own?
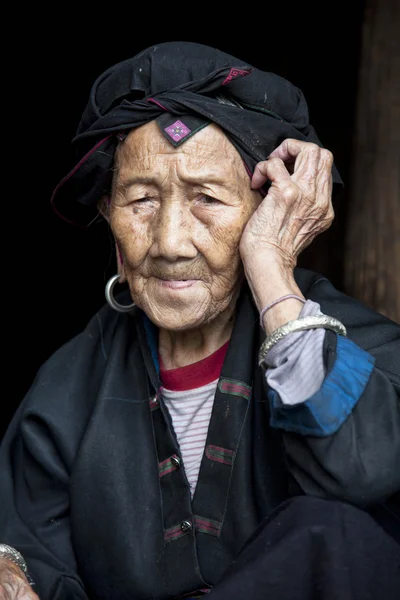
column 36, row 458
column 344, row 440
column 34, row 515
column 355, row 455
column 13, row 583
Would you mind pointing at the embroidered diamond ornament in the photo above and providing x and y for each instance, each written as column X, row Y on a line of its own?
column 177, row 130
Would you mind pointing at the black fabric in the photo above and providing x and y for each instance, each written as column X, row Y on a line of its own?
column 80, row 493
column 181, row 79
column 319, row 549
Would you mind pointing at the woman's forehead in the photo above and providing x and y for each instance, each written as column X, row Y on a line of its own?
column 146, row 145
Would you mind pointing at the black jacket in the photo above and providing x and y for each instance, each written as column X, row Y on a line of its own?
column 92, row 490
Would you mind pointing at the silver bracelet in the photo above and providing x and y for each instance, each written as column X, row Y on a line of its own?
column 302, row 324
column 14, row 556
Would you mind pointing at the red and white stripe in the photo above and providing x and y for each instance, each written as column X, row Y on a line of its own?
column 190, row 412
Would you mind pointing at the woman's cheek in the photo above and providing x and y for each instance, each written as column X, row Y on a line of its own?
column 222, row 249
column 130, row 242
column 136, row 246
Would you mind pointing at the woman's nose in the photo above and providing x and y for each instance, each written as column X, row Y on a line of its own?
column 172, row 236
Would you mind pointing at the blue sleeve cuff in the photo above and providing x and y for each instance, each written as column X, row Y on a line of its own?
column 325, row 412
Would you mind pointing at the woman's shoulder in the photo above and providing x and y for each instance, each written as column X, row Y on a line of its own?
column 76, row 368
column 92, row 342
column 62, row 397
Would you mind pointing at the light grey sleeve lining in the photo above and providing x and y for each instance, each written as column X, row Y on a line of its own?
column 295, row 365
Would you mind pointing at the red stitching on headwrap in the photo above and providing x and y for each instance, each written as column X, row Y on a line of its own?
column 157, row 102
column 233, row 73
column 74, row 170
column 249, row 173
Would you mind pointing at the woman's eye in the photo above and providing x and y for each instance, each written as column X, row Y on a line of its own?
column 209, row 200
column 143, row 200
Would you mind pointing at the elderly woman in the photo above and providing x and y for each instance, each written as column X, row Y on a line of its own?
column 227, row 406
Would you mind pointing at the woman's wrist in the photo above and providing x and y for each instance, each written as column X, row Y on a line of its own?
column 13, row 581
column 270, row 280
column 279, row 315
column 8, row 565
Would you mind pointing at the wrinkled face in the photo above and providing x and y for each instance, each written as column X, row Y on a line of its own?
column 177, row 215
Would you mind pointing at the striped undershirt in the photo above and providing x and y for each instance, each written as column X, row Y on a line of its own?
column 295, row 370
column 188, row 394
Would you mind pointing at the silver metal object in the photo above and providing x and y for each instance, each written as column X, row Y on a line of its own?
column 302, row 324
column 14, row 556
column 122, row 308
column 186, row 526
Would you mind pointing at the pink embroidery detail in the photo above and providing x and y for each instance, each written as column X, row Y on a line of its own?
column 177, row 131
column 156, row 102
column 208, row 524
column 233, row 73
column 249, row 173
column 70, row 174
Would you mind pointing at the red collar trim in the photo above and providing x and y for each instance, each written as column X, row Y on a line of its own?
column 195, row 375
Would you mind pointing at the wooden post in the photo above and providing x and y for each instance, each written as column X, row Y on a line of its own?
column 372, row 256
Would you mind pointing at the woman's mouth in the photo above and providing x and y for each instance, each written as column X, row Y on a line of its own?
column 176, row 284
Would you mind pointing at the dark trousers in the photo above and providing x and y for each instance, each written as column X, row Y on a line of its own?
column 312, row 549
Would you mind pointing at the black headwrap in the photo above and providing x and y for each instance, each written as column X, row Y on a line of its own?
column 183, row 86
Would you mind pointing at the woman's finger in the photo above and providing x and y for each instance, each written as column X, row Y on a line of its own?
column 302, row 160
column 272, row 169
column 288, row 150
column 324, row 179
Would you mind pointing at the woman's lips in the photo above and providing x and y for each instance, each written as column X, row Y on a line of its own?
column 176, row 284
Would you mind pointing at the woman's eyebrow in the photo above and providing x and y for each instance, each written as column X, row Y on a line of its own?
column 136, row 180
column 203, row 179
column 206, row 178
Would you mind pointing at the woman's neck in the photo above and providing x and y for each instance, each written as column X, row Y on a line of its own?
column 182, row 348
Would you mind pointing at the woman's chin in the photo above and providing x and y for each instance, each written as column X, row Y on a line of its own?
column 177, row 320
column 179, row 307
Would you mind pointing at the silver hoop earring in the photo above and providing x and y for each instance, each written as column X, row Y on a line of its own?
column 122, row 308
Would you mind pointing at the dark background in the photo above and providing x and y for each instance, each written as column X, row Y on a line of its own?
column 57, row 272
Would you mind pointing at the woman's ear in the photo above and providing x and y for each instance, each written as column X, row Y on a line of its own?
column 120, row 264
column 103, row 206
